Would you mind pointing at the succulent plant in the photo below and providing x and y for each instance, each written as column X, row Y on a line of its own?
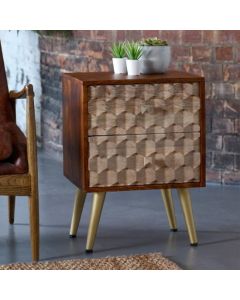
column 133, row 50
column 153, row 42
column 118, row 50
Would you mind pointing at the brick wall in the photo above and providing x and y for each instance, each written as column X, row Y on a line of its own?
column 214, row 54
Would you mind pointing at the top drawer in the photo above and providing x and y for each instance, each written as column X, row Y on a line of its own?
column 143, row 108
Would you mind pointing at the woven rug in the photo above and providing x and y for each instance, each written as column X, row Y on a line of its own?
column 151, row 261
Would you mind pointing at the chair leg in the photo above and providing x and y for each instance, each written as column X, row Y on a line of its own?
column 11, row 209
column 77, row 212
column 188, row 215
column 34, row 225
column 168, row 203
column 97, row 205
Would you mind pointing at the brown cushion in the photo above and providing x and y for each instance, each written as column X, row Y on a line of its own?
column 5, row 144
column 6, row 105
column 16, row 163
column 13, row 146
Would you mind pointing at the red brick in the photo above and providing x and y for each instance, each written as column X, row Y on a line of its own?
column 171, row 36
column 150, row 33
column 208, row 123
column 209, row 156
column 212, row 72
column 180, row 53
column 81, row 64
column 237, row 162
column 222, row 90
column 237, row 126
column 121, row 35
column 45, row 44
column 133, row 35
column 232, row 108
column 231, row 177
column 90, row 49
column 218, row 108
column 201, row 53
column 93, row 66
column 213, row 176
column 106, row 53
column 192, row 36
column 228, row 36
column 85, row 34
column 224, row 36
column 224, row 53
column 193, row 68
column 106, row 68
column 52, row 59
column 208, row 90
column 236, row 36
column 63, row 45
column 214, row 108
column 174, row 66
column 209, row 106
column 237, row 89
column 214, row 142
column 232, row 143
column 238, row 54
column 231, row 72
column 222, row 126
column 209, row 37
column 223, row 161
column 82, row 48
column 102, row 35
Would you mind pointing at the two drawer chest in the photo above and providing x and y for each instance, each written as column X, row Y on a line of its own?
column 133, row 132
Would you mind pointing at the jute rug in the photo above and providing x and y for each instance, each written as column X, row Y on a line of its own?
column 151, row 261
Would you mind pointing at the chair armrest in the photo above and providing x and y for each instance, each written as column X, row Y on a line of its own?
column 28, row 94
column 26, row 91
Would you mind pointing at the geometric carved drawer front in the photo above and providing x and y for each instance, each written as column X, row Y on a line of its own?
column 143, row 108
column 121, row 160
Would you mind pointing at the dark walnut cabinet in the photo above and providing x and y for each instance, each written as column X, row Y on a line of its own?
column 134, row 132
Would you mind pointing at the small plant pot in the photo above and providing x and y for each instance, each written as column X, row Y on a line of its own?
column 155, row 59
column 119, row 65
column 133, row 67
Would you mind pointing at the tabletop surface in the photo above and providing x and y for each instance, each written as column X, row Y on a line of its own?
column 88, row 78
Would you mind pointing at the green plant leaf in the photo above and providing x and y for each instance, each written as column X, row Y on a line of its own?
column 133, row 50
column 118, row 50
column 153, row 42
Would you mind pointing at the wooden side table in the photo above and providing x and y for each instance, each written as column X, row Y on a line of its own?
column 130, row 133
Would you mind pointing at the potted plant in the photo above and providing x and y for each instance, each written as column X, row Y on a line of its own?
column 156, row 56
column 119, row 59
column 134, row 52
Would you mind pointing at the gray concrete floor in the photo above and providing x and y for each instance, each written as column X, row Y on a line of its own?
column 132, row 223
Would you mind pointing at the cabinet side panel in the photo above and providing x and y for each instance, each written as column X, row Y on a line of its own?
column 71, row 131
column 202, row 133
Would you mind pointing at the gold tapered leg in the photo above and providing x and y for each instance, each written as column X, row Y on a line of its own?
column 97, row 205
column 77, row 211
column 168, row 202
column 188, row 215
column 11, row 209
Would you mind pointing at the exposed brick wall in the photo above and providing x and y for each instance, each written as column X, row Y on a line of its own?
column 214, row 54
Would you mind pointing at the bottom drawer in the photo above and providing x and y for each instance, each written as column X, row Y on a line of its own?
column 123, row 160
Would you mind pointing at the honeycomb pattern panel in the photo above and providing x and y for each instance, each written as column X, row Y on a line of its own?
column 123, row 160
column 143, row 108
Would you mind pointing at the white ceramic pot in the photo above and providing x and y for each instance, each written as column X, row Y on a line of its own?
column 133, row 67
column 155, row 59
column 119, row 65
